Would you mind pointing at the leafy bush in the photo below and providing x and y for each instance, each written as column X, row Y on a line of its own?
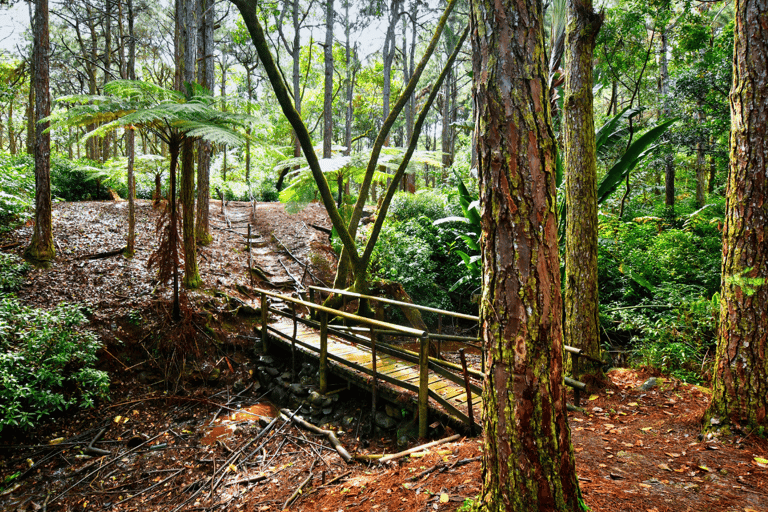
column 46, row 358
column 419, row 255
column 12, row 271
column 17, row 187
column 657, row 284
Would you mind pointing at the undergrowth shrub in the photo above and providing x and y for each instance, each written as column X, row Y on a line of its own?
column 17, row 188
column 46, row 358
column 414, row 252
column 658, row 290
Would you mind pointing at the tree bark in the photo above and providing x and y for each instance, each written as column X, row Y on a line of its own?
column 582, row 324
column 669, row 163
column 528, row 461
column 740, row 390
column 204, row 148
column 130, row 141
column 187, row 185
column 41, row 250
column 328, row 88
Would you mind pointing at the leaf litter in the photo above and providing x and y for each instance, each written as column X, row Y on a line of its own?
column 646, row 457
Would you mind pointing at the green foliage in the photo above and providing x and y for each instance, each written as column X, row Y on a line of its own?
column 656, row 286
column 12, row 272
column 17, row 187
column 415, row 252
column 46, row 358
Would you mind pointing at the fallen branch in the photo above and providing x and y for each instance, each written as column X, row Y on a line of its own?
column 297, row 260
column 101, row 255
column 394, row 456
column 97, row 451
column 330, row 482
column 344, row 454
column 300, row 487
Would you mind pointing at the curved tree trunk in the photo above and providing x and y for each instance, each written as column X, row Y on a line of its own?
column 740, row 391
column 581, row 298
column 528, row 461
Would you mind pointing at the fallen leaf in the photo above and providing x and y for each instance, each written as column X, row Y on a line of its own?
column 705, row 468
column 632, row 404
column 593, row 397
column 444, row 498
column 646, row 429
column 673, row 455
column 665, row 467
column 761, row 460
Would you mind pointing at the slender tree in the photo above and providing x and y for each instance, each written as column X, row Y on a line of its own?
column 189, row 17
column 581, row 301
column 205, row 76
column 528, row 461
column 130, row 140
column 740, row 391
column 40, row 250
column 328, row 82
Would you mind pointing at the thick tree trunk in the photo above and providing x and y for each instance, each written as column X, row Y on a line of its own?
column 740, row 391
column 528, row 461
column 40, row 250
column 204, row 148
column 130, row 141
column 582, row 325
column 187, row 185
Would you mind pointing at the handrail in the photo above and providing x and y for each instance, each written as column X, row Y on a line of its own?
column 418, row 333
column 397, row 303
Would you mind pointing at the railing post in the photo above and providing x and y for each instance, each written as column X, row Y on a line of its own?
column 439, row 339
column 423, row 384
column 470, row 410
column 322, row 374
column 293, row 343
column 374, row 387
column 250, row 269
column 264, row 320
column 576, row 391
column 312, row 295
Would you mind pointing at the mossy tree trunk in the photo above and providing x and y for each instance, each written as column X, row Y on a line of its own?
column 528, row 461
column 40, row 250
column 581, row 298
column 740, row 390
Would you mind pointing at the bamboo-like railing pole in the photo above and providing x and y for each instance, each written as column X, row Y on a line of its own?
column 423, row 384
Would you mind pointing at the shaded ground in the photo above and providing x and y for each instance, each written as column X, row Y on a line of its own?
column 635, row 450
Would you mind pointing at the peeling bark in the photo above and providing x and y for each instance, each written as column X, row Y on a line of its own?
column 740, row 391
column 528, row 461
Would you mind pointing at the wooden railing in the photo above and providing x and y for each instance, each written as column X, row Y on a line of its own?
column 475, row 342
column 459, row 374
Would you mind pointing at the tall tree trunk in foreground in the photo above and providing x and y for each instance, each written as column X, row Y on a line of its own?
column 740, row 391
column 669, row 163
column 528, row 461
column 581, row 311
column 187, row 185
column 40, row 250
column 130, row 141
column 206, row 78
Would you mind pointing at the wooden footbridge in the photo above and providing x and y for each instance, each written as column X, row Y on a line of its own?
column 359, row 354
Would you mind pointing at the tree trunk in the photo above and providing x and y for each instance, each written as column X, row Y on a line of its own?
column 582, row 324
column 40, row 250
column 187, row 185
column 204, row 148
column 669, row 163
column 130, row 141
column 328, row 89
column 528, row 461
column 740, row 391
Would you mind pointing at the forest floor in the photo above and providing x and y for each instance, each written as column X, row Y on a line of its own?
column 172, row 385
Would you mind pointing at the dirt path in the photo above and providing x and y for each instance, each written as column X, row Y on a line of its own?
column 636, row 450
